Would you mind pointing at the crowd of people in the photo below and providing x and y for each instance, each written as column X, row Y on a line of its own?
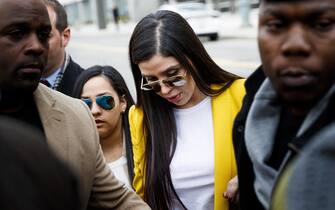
column 197, row 137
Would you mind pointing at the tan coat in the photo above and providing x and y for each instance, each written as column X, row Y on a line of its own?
column 71, row 133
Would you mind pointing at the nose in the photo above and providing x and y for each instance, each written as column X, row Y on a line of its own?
column 165, row 89
column 296, row 42
column 95, row 109
column 34, row 46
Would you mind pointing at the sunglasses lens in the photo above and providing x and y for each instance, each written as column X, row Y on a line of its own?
column 156, row 87
column 177, row 81
column 174, row 81
column 105, row 102
column 88, row 102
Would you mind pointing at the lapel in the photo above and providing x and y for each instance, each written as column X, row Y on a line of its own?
column 53, row 120
column 71, row 73
column 224, row 109
column 222, row 152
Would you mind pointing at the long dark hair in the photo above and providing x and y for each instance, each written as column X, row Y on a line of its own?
column 168, row 34
column 119, row 85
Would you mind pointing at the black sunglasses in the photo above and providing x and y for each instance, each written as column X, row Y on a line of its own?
column 106, row 102
column 174, row 81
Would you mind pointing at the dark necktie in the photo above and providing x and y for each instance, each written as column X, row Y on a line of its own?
column 45, row 82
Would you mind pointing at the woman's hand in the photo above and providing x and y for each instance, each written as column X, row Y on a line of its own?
column 231, row 193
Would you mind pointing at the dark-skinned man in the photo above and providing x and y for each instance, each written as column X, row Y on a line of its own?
column 66, row 123
column 290, row 98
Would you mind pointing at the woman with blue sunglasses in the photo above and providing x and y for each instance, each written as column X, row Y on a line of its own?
column 182, row 123
column 105, row 92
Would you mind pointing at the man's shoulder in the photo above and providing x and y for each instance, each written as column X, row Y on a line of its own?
column 58, row 99
column 254, row 81
column 238, row 86
column 74, row 66
column 235, row 91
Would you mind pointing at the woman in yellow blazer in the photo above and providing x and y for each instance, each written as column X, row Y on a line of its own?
column 181, row 126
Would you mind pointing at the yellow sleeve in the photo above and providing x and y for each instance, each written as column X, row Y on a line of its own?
column 238, row 92
column 225, row 107
column 138, row 141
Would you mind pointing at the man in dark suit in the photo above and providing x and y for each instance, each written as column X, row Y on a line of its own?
column 61, row 71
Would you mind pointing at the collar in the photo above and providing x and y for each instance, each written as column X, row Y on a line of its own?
column 56, row 78
column 52, row 78
column 261, row 126
column 254, row 81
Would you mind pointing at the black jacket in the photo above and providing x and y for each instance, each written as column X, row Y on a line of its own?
column 72, row 71
column 248, row 198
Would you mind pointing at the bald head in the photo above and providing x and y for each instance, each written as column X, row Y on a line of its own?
column 19, row 5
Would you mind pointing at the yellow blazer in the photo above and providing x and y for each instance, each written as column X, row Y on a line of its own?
column 224, row 108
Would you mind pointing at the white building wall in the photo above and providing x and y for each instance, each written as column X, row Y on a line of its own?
column 84, row 11
column 140, row 8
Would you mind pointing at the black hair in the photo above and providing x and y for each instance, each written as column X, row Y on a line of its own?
column 30, row 169
column 61, row 16
column 168, row 34
column 119, row 85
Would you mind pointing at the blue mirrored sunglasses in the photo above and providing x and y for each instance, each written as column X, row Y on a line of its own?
column 106, row 102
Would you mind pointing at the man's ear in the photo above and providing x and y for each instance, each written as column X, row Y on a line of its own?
column 66, row 35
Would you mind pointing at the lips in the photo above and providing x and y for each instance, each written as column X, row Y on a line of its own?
column 30, row 71
column 297, row 78
column 99, row 123
column 174, row 99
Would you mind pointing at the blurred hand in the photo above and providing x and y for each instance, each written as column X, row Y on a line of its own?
column 231, row 193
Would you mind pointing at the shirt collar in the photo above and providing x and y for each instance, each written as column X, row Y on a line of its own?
column 52, row 78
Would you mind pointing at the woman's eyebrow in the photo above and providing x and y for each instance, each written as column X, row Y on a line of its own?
column 165, row 72
column 172, row 68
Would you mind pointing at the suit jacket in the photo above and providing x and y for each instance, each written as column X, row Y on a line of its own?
column 224, row 108
column 71, row 133
column 72, row 71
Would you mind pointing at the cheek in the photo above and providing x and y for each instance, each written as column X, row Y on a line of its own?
column 7, row 66
column 326, row 56
column 54, row 43
column 269, row 52
column 266, row 50
column 189, row 89
column 113, row 116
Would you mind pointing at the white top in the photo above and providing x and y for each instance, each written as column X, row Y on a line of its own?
column 192, row 166
column 120, row 169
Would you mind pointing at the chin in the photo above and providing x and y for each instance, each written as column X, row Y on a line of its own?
column 30, row 87
column 23, row 86
column 300, row 101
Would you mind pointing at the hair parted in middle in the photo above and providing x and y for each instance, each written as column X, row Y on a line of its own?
column 166, row 33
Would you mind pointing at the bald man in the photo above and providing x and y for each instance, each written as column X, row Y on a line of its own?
column 67, row 124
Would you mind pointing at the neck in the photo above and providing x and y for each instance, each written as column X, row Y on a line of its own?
column 300, row 109
column 112, row 145
column 50, row 70
column 196, row 98
column 299, row 112
column 12, row 100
